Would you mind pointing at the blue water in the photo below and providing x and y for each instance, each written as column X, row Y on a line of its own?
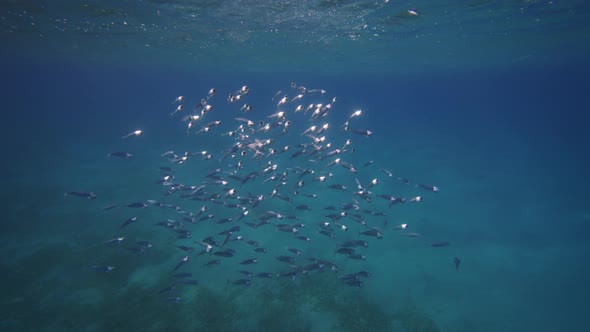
column 505, row 140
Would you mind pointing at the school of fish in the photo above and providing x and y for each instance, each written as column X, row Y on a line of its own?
column 275, row 169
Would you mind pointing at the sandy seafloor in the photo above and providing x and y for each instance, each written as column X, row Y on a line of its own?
column 508, row 149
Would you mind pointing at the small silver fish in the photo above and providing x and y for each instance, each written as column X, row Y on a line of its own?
column 89, row 195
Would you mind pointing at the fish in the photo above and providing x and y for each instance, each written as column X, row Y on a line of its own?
column 178, row 109
column 355, row 243
column 327, row 233
column 101, row 268
column 206, row 217
column 244, row 90
column 441, row 244
column 303, row 207
column 266, row 275
column 110, row 207
column 242, row 282
column 138, row 132
column 387, row 172
column 166, row 168
column 415, row 199
column 403, row 180
column 395, row 200
column 246, row 108
column 283, row 101
column 223, row 253
column 277, row 94
column 357, row 256
column 286, row 259
column 229, row 231
column 337, row 187
column 345, row 251
column 187, row 282
column 350, row 206
column 260, row 250
column 303, row 238
column 119, row 154
column 373, row 232
column 428, row 187
column 363, row 132
column 141, row 205
column 116, row 240
column 213, row 262
column 168, row 289
column 186, row 249
column 290, row 274
column 354, row 283
column 400, row 227
column 128, row 221
column 348, row 277
column 313, row 267
column 183, row 261
column 224, row 220
column 83, row 194
column 249, row 261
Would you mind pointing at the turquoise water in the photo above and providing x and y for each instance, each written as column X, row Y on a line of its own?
column 486, row 100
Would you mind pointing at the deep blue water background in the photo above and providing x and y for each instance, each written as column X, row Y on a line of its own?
column 509, row 149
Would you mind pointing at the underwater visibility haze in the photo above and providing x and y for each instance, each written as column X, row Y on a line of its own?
column 323, row 165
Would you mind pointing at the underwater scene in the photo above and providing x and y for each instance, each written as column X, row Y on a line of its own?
column 325, row 165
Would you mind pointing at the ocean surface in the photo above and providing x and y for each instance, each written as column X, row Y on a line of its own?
column 465, row 173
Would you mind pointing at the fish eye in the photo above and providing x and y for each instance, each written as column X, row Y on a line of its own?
column 243, row 153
